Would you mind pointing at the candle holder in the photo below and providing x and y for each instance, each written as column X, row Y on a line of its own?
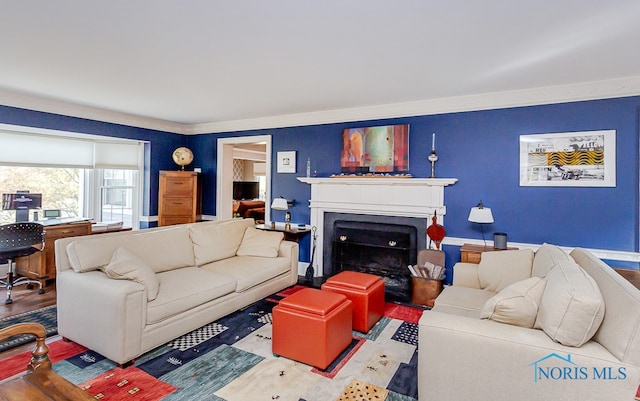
column 433, row 158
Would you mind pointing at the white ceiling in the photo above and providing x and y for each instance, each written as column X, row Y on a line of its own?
column 209, row 65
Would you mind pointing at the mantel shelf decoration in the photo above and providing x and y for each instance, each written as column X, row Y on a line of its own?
column 372, row 175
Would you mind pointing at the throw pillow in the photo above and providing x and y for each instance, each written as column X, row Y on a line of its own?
column 546, row 257
column 125, row 265
column 260, row 243
column 497, row 270
column 572, row 307
column 517, row 304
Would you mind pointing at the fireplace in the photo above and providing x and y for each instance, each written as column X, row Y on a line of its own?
column 380, row 245
column 387, row 201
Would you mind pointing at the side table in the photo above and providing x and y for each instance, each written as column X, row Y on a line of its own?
column 471, row 253
column 292, row 234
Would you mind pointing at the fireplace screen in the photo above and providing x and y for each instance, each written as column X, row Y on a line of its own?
column 381, row 249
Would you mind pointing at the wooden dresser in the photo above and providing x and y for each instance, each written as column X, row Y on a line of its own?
column 179, row 197
column 42, row 265
column 472, row 253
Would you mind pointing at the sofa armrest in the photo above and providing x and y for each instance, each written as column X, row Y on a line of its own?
column 103, row 314
column 464, row 358
column 290, row 249
column 466, row 275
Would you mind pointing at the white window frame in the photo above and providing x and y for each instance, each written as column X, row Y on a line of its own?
column 93, row 195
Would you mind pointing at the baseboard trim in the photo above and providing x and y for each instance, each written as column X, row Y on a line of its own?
column 608, row 254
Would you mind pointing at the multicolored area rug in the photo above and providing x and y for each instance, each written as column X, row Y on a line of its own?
column 231, row 360
column 46, row 316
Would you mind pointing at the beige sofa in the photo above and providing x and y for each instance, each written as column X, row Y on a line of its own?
column 123, row 294
column 525, row 326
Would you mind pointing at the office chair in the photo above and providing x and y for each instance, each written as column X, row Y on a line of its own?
column 16, row 240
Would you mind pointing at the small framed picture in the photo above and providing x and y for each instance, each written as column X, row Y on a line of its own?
column 287, row 162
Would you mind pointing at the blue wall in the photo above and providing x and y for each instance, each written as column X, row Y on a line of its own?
column 479, row 148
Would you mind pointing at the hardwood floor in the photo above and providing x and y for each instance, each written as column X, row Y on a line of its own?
column 25, row 300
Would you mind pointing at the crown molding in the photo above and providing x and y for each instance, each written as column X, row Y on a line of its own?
column 37, row 103
column 621, row 87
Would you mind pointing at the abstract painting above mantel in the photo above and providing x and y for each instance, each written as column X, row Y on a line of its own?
column 569, row 159
column 383, row 149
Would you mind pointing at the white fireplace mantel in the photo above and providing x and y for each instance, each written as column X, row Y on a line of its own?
column 410, row 197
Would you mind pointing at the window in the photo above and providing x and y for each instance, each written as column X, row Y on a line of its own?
column 100, row 194
column 118, row 195
column 82, row 175
column 61, row 188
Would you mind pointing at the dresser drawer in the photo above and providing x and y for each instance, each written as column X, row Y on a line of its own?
column 177, row 206
column 53, row 233
column 171, row 220
column 178, row 186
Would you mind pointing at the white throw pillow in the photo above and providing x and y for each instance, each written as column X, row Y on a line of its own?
column 260, row 243
column 517, row 304
column 546, row 257
column 125, row 265
column 500, row 269
column 572, row 307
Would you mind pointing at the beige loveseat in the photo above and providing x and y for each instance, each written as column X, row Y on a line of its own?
column 525, row 326
column 125, row 293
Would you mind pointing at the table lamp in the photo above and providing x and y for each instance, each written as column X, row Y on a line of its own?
column 282, row 204
column 481, row 215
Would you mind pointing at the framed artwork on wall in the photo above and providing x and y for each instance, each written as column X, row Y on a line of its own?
column 569, row 159
column 286, row 162
column 383, row 149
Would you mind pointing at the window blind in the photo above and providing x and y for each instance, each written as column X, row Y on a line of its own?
column 43, row 150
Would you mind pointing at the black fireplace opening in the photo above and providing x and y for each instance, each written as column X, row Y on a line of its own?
column 382, row 249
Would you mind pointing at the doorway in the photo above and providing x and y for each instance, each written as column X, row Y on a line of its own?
column 228, row 148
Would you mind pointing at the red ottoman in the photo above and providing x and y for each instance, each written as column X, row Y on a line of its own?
column 366, row 291
column 312, row 327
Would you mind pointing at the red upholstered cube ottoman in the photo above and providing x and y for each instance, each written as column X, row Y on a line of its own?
column 312, row 327
column 366, row 291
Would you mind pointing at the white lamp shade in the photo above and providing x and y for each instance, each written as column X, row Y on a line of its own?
column 279, row 204
column 480, row 215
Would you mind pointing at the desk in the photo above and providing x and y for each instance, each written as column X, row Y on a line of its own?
column 472, row 253
column 293, row 234
column 42, row 265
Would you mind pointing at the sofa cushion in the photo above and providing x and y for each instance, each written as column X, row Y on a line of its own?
column 462, row 301
column 164, row 249
column 260, row 243
column 160, row 248
column 517, row 304
column 249, row 271
column 620, row 330
column 497, row 270
column 546, row 257
column 125, row 265
column 572, row 306
column 187, row 288
column 217, row 240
